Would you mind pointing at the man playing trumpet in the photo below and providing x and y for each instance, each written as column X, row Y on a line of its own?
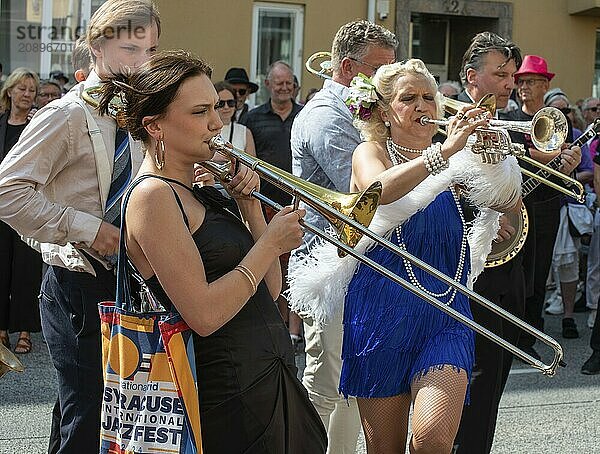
column 489, row 66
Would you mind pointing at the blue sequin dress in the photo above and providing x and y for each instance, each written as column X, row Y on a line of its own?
column 392, row 336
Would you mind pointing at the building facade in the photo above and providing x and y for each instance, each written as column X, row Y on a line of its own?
column 40, row 33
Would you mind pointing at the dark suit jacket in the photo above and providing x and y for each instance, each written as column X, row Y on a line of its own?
column 243, row 114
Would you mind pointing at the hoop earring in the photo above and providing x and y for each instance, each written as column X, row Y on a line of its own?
column 387, row 124
column 159, row 154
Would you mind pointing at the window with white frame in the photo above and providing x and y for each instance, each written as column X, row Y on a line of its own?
column 276, row 35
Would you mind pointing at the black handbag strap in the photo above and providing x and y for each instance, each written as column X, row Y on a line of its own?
column 125, row 267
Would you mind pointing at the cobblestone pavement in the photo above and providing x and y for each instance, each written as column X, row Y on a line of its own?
column 538, row 414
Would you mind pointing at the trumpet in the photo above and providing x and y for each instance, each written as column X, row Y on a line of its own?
column 290, row 184
column 548, row 130
column 548, row 127
column 326, row 67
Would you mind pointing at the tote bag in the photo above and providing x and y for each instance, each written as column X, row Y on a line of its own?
column 150, row 400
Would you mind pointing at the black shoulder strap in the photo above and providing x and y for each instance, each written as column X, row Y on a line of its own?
column 125, row 267
column 166, row 180
column 231, row 131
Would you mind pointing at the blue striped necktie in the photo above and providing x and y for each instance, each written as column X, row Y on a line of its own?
column 121, row 177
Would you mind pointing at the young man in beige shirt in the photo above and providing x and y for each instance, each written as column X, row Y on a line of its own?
column 54, row 188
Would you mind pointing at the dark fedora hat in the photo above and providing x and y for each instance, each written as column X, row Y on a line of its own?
column 240, row 76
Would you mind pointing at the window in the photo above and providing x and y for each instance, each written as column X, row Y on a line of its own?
column 41, row 34
column 276, row 35
column 429, row 40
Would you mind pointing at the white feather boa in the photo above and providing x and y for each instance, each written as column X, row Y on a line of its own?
column 318, row 281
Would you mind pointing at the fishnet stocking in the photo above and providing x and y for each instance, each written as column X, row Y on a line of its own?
column 438, row 402
column 385, row 423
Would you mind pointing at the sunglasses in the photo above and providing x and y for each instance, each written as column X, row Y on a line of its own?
column 566, row 110
column 221, row 103
column 241, row 91
column 593, row 109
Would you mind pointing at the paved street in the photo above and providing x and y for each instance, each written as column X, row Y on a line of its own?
column 538, row 414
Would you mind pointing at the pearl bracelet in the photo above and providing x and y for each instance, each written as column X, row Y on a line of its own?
column 434, row 160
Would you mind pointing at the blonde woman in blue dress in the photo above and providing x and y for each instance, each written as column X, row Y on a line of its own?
column 399, row 350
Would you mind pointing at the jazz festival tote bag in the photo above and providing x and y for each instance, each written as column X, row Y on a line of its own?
column 150, row 401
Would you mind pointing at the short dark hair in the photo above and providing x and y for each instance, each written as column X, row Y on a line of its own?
column 81, row 57
column 150, row 90
column 483, row 43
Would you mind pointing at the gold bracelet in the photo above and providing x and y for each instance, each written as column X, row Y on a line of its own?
column 249, row 275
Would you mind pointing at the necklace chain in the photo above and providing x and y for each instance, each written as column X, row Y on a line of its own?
column 461, row 260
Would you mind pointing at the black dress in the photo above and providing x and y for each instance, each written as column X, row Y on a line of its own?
column 250, row 398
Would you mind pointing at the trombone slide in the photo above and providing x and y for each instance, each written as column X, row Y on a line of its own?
column 274, row 176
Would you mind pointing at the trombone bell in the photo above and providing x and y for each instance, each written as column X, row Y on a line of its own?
column 358, row 206
column 8, row 361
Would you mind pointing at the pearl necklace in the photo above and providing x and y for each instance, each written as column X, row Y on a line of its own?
column 396, row 158
column 398, row 148
column 461, row 260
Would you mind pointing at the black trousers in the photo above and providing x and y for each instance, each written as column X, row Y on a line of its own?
column 504, row 286
column 20, row 279
column 71, row 325
column 543, row 235
column 595, row 339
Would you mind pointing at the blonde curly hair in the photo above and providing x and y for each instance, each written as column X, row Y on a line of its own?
column 384, row 81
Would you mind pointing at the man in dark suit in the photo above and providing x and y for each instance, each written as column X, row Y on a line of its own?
column 488, row 66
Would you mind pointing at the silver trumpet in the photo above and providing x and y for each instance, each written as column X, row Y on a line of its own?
column 548, row 130
column 289, row 183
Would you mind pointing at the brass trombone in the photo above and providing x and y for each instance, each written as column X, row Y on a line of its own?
column 8, row 361
column 289, row 183
column 548, row 130
column 115, row 106
column 326, row 67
